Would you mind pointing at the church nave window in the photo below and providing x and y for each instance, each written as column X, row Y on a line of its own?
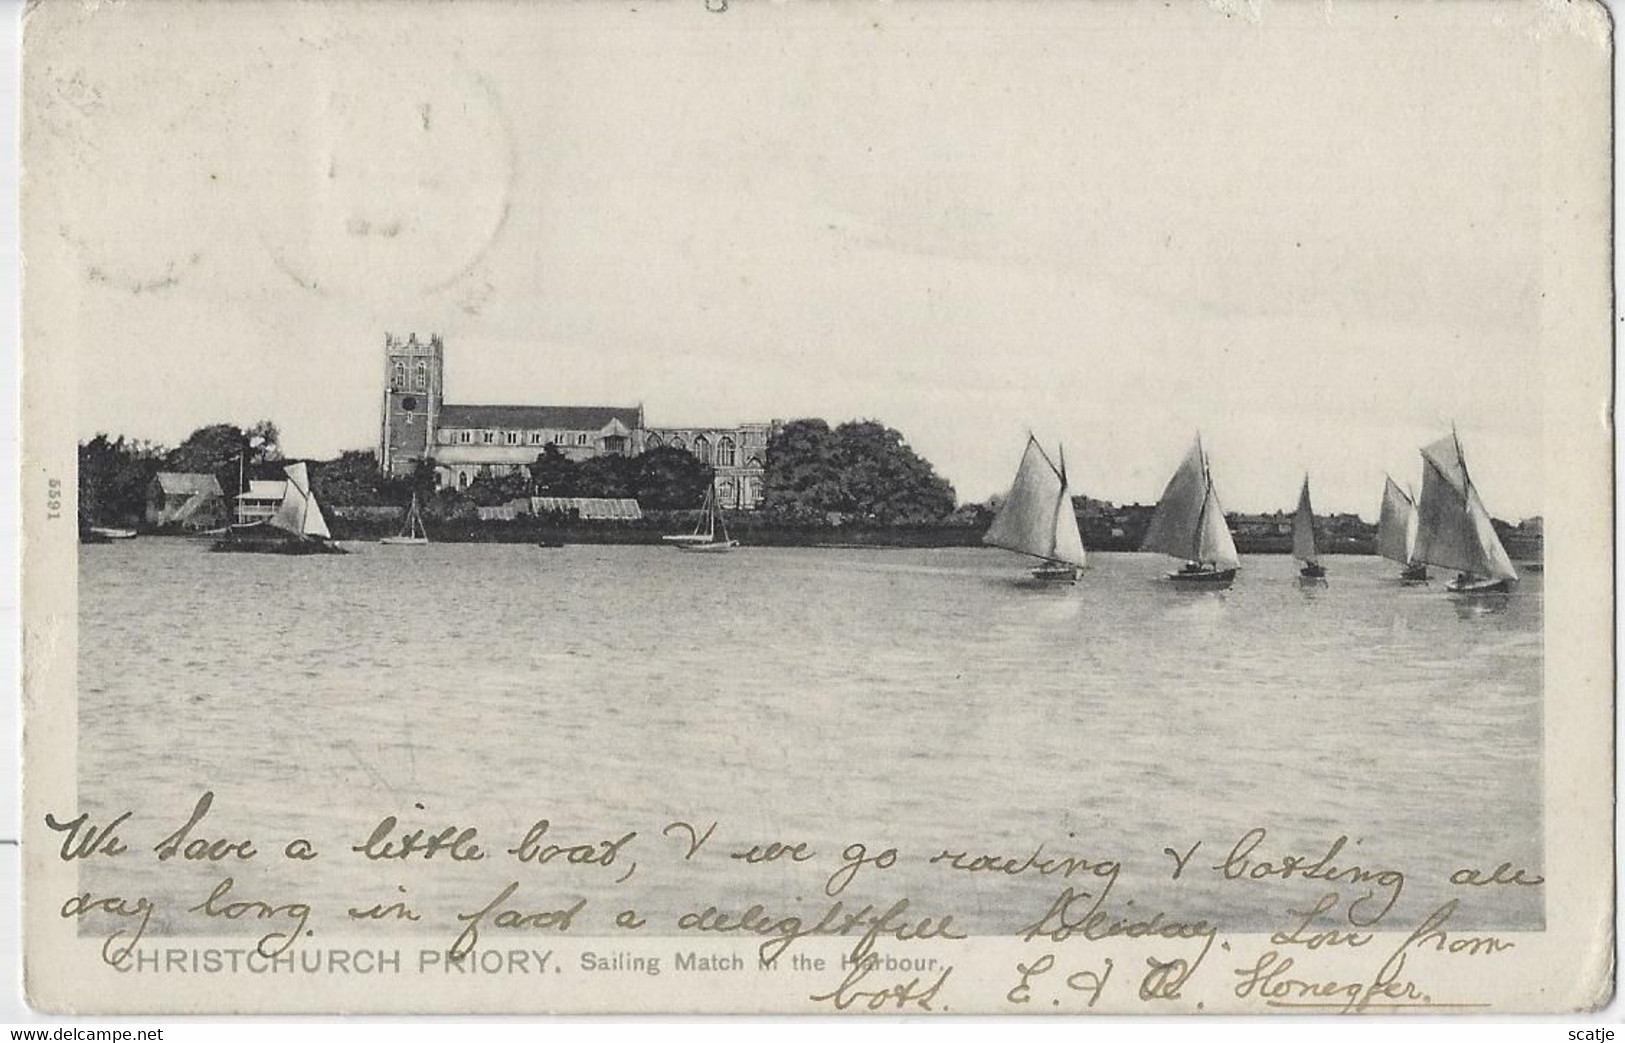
column 726, row 455
column 511, row 438
column 488, row 437
column 465, row 437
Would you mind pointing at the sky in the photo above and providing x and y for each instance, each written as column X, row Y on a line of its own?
column 1312, row 233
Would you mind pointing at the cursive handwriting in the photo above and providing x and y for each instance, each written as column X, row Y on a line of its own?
column 217, row 905
column 902, row 995
column 558, row 919
column 1240, row 864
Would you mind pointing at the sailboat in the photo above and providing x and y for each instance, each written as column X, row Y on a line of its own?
column 297, row 527
column 1303, row 537
column 1396, row 532
column 704, row 538
column 1454, row 529
column 413, row 533
column 1037, row 519
column 1189, row 523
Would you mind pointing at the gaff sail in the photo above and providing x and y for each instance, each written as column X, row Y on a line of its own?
column 299, row 512
column 1397, row 525
column 1454, row 529
column 1036, row 517
column 1189, row 522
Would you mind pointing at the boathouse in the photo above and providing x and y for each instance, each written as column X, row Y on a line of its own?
column 189, row 500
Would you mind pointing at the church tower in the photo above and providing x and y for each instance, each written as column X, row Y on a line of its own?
column 412, row 397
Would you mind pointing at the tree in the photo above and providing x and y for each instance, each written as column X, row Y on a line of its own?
column 350, row 481
column 671, row 479
column 861, row 471
column 882, row 480
column 554, row 474
column 228, row 452
column 490, row 490
column 265, row 442
column 113, row 479
column 610, row 477
column 799, row 470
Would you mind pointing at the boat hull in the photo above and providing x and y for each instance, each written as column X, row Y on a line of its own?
column 1313, row 571
column 1203, row 577
column 404, row 541
column 263, row 539
column 719, row 547
column 1479, row 586
column 1415, row 574
column 112, row 534
column 1055, row 573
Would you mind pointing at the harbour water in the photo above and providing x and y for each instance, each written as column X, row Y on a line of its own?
column 927, row 700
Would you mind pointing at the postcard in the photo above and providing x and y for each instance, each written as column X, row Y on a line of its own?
column 868, row 508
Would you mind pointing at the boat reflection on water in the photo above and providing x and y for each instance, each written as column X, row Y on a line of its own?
column 1480, row 605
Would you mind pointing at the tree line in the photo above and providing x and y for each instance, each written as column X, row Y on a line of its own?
column 857, row 473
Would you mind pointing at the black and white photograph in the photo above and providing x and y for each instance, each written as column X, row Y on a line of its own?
column 886, row 508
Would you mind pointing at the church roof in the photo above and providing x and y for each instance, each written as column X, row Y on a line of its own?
column 529, row 418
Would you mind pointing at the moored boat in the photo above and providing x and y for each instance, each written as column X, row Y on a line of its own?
column 1454, row 530
column 109, row 533
column 705, row 539
column 1037, row 519
column 1189, row 524
column 412, row 534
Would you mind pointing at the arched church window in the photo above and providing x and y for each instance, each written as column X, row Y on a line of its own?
column 581, row 439
column 725, row 492
column 702, row 448
column 462, row 479
column 420, row 379
column 653, row 442
column 678, row 443
column 727, row 455
column 399, row 379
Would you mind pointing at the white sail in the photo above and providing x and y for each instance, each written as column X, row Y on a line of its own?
column 1217, row 546
column 1189, row 522
column 1303, row 528
column 1396, row 526
column 299, row 512
column 1036, row 517
column 1454, row 529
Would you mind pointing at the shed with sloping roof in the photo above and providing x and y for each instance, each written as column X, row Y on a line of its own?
column 185, row 499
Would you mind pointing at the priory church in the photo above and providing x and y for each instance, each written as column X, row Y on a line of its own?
column 466, row 441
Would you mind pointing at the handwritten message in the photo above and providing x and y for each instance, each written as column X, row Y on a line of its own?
column 1075, row 937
